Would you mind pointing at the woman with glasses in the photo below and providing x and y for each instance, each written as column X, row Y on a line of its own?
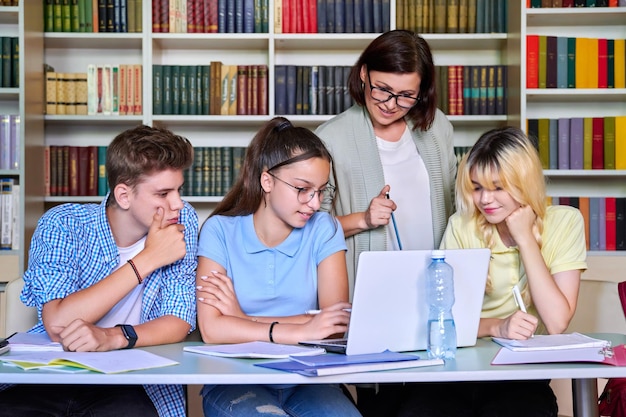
column 266, row 255
column 392, row 154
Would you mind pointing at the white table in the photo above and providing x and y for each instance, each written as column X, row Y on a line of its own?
column 471, row 364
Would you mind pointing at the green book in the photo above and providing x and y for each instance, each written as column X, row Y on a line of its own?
column 192, row 96
column 587, row 141
column 74, row 16
column 206, row 171
column 103, row 186
column 167, row 89
column 130, row 16
column 610, row 61
column 82, row 17
column 57, row 24
column 198, row 169
column 206, row 89
column 15, row 62
column 198, row 70
column 138, row 14
column 571, row 62
column 66, row 16
column 175, row 93
column 48, row 11
column 543, row 60
column 609, row 142
column 227, row 156
column 157, row 89
column 6, row 61
column 183, row 104
column 89, row 24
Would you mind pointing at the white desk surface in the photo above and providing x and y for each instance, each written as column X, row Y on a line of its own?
column 471, row 364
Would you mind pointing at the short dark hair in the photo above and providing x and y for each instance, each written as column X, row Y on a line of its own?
column 400, row 51
column 143, row 150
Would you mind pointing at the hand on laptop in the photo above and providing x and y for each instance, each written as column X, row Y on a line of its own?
column 331, row 320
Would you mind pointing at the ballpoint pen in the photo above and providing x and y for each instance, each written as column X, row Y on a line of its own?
column 395, row 226
column 520, row 301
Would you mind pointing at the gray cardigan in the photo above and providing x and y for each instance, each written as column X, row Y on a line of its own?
column 359, row 174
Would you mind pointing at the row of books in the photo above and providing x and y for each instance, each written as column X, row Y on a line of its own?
column 9, row 62
column 210, row 16
column 331, row 16
column 605, row 220
column 311, row 89
column 567, row 62
column 9, row 214
column 575, row 3
column 93, row 16
column 452, row 16
column 214, row 170
column 215, row 89
column 472, row 89
column 10, row 141
column 102, row 90
column 9, row 3
column 80, row 170
column 75, row 170
column 580, row 143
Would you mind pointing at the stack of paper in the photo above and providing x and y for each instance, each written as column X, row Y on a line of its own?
column 30, row 342
column 572, row 347
column 106, row 362
column 254, row 350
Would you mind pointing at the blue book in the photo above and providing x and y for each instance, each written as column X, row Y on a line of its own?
column 594, row 223
column 291, row 89
column 340, row 16
column 280, row 90
column 561, row 62
column 368, row 16
column 349, row 16
column 358, row 16
column 321, row 16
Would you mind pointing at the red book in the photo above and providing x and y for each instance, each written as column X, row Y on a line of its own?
column 253, row 92
column 298, row 16
column 452, row 101
column 192, row 15
column 532, row 61
column 567, row 3
column 210, row 16
column 597, row 143
column 603, row 58
column 83, row 170
column 156, row 16
column 611, row 225
column 242, row 89
column 459, row 89
column 287, row 25
column 313, row 16
column 92, row 171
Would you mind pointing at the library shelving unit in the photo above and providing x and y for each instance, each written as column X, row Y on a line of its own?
column 25, row 23
column 72, row 52
column 535, row 103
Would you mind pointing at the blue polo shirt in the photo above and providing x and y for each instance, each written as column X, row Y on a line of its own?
column 278, row 281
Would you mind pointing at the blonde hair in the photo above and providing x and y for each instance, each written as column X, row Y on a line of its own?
column 508, row 153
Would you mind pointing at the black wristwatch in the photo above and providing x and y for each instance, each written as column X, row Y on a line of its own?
column 129, row 333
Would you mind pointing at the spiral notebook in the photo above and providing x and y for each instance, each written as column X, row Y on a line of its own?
column 389, row 306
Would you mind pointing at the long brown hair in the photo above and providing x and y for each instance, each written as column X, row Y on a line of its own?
column 278, row 143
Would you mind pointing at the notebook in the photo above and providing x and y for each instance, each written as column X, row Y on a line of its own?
column 389, row 306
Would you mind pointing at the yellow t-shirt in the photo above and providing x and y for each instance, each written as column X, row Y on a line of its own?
column 563, row 249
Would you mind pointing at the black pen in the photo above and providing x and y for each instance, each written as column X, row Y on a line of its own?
column 10, row 336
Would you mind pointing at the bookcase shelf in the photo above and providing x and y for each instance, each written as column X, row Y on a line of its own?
column 576, row 94
column 99, row 119
column 9, row 14
column 211, row 41
column 576, row 16
column 574, row 173
column 66, row 40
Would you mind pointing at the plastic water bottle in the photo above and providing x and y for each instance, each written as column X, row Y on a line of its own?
column 440, row 292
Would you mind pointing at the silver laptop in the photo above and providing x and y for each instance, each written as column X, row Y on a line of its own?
column 389, row 306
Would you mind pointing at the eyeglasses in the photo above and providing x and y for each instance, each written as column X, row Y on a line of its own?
column 382, row 96
column 306, row 194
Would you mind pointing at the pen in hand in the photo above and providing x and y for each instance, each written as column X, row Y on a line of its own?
column 520, row 301
column 395, row 226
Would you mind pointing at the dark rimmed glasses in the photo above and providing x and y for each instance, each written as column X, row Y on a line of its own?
column 382, row 96
column 306, row 194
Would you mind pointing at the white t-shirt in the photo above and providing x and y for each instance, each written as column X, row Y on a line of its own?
column 128, row 309
column 405, row 172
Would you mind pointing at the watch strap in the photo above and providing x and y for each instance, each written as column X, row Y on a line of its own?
column 129, row 333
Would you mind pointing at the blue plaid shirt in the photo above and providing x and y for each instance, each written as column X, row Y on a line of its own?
column 73, row 248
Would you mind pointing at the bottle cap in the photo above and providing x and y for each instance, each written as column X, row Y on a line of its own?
column 437, row 254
